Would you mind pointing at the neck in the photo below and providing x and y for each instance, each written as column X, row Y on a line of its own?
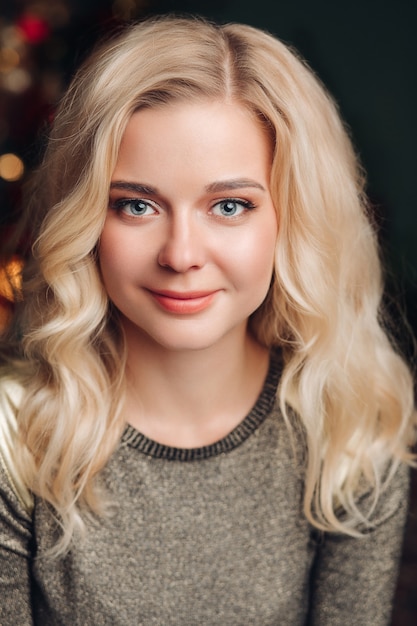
column 192, row 398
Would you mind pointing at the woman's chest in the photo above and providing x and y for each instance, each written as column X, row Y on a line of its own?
column 219, row 544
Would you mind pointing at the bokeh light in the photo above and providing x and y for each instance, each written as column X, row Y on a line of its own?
column 11, row 167
column 9, row 59
column 10, row 285
column 17, row 81
column 33, row 28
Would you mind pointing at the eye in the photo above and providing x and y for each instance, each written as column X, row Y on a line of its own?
column 134, row 207
column 231, row 207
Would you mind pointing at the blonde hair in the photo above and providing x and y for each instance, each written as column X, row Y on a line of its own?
column 351, row 390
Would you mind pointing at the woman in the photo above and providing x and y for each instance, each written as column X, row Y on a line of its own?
column 204, row 421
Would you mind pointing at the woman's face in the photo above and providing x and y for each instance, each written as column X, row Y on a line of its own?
column 187, row 249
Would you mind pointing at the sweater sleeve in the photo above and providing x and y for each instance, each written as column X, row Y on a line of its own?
column 353, row 579
column 15, row 531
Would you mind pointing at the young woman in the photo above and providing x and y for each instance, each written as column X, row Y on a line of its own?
column 203, row 419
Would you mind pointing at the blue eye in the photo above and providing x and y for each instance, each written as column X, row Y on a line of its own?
column 231, row 207
column 134, row 208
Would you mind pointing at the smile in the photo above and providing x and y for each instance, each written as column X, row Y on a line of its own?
column 183, row 303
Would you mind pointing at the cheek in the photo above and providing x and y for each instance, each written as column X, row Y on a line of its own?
column 256, row 260
column 263, row 262
column 113, row 259
column 263, row 248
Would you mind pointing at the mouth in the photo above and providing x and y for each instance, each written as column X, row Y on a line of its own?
column 183, row 303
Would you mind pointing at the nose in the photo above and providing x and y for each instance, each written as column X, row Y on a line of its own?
column 183, row 246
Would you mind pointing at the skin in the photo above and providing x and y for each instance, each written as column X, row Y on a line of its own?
column 187, row 255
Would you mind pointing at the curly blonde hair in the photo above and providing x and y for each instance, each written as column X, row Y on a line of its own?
column 349, row 387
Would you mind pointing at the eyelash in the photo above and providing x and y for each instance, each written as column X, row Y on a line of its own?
column 122, row 203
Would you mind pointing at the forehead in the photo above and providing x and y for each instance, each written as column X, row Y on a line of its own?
column 208, row 134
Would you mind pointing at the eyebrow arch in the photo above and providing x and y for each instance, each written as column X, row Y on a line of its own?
column 235, row 183
column 134, row 187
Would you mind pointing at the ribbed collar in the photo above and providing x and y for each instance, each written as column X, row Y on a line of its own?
column 235, row 438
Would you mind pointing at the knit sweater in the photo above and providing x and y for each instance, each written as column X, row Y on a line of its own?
column 209, row 536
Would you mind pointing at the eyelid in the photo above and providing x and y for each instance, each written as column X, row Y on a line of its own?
column 243, row 201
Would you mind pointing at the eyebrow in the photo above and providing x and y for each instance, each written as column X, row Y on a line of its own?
column 235, row 183
column 135, row 187
column 215, row 187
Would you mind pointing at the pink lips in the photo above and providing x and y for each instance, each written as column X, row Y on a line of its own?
column 183, row 303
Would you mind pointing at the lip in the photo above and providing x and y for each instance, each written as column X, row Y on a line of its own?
column 183, row 302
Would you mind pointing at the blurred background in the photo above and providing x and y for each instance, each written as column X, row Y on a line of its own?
column 364, row 51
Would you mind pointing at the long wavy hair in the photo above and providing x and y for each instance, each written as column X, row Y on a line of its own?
column 351, row 391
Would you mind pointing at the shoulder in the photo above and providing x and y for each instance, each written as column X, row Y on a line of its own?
column 11, row 393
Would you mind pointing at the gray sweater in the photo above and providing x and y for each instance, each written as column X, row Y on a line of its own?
column 211, row 536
